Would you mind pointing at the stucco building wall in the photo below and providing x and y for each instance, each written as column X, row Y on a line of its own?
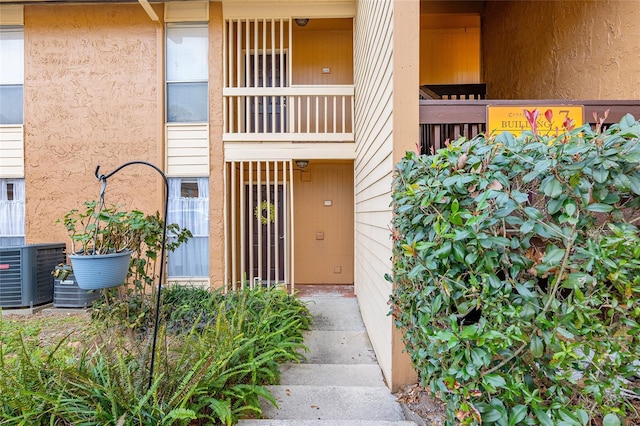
column 561, row 49
column 92, row 96
column 216, row 149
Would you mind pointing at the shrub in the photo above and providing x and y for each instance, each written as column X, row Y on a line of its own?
column 517, row 275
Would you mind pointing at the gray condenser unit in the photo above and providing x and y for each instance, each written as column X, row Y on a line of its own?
column 67, row 294
column 25, row 274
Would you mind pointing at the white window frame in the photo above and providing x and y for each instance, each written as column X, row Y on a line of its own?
column 12, row 213
column 203, row 79
column 175, row 204
column 12, row 70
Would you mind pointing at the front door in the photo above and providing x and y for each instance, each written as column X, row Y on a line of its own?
column 267, row 113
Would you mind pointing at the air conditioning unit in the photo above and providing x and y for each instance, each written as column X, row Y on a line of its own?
column 25, row 274
column 67, row 294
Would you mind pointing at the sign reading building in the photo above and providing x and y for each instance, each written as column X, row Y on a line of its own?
column 550, row 120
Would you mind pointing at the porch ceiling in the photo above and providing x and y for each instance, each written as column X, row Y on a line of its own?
column 451, row 6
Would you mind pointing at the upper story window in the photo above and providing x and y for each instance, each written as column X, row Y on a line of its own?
column 187, row 72
column 11, row 74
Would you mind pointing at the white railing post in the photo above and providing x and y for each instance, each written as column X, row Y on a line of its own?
column 314, row 113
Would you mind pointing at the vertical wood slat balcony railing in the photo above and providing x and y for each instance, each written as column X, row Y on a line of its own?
column 443, row 120
column 294, row 113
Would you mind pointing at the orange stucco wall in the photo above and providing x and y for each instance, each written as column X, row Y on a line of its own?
column 562, row 49
column 216, row 159
column 92, row 96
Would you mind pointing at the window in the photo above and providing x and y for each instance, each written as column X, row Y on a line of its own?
column 189, row 189
column 11, row 74
column 10, row 191
column 189, row 208
column 12, row 213
column 187, row 73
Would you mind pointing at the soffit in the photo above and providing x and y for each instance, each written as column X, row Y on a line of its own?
column 286, row 8
column 451, row 6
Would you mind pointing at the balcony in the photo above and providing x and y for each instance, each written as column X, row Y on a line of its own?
column 287, row 89
column 289, row 114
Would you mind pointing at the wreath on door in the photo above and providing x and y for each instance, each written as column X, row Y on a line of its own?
column 265, row 213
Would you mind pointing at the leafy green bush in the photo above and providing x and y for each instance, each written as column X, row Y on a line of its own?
column 517, row 275
column 211, row 374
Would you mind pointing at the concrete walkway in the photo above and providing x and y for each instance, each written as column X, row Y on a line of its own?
column 340, row 384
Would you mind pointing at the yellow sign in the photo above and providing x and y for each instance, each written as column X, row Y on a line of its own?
column 549, row 120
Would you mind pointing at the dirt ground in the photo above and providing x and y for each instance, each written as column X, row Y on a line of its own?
column 53, row 325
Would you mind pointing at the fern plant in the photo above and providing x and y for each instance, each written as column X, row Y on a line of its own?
column 213, row 372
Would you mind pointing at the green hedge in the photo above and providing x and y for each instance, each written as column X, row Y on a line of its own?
column 517, row 275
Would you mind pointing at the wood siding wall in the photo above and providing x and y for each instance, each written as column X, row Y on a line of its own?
column 386, row 61
column 11, row 151
column 187, row 150
column 11, row 14
column 373, row 41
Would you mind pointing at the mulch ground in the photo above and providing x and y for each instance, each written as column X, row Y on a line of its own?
column 421, row 407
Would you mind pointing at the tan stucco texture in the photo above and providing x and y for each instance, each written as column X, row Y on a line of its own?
column 216, row 158
column 92, row 97
column 562, row 49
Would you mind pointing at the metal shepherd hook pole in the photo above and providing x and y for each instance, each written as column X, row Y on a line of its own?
column 103, row 179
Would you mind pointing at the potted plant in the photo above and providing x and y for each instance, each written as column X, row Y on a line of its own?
column 101, row 239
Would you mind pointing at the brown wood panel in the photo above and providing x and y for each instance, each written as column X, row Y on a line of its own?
column 442, row 120
column 314, row 50
column 442, row 112
column 324, row 234
column 475, row 111
column 450, row 55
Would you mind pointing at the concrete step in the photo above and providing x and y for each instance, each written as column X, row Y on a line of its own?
column 340, row 384
column 331, row 375
column 322, row 423
column 339, row 347
column 333, row 403
column 332, row 314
